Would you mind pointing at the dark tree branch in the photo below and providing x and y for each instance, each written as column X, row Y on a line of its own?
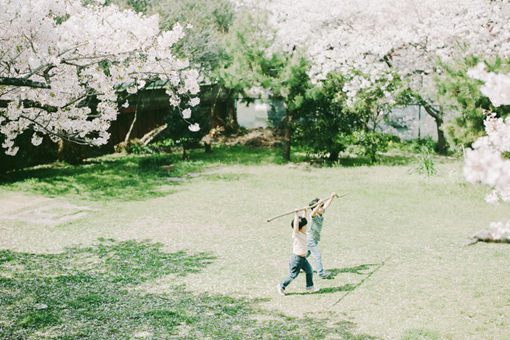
column 30, row 104
column 431, row 110
column 68, row 138
column 23, row 82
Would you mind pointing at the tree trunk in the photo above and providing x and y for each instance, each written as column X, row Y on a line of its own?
column 224, row 112
column 287, row 136
column 215, row 110
column 333, row 156
column 207, row 147
column 149, row 136
column 135, row 116
column 373, row 154
column 442, row 145
column 231, row 124
column 71, row 153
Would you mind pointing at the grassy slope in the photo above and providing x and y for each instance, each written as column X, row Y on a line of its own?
column 430, row 285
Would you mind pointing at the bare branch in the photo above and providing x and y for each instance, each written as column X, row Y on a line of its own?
column 30, row 104
column 79, row 141
column 22, row 82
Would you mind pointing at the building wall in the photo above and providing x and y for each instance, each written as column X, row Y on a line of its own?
column 260, row 113
column 407, row 122
column 410, row 122
column 252, row 115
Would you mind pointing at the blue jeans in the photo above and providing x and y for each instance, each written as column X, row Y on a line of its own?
column 313, row 249
column 295, row 265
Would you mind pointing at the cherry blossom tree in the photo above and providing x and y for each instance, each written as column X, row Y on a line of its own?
column 406, row 36
column 58, row 54
column 488, row 161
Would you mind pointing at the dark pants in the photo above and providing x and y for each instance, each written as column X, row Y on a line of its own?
column 295, row 265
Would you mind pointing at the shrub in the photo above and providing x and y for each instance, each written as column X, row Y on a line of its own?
column 462, row 94
column 371, row 143
column 426, row 163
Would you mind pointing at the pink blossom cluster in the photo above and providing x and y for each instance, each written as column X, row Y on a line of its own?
column 56, row 54
column 375, row 79
column 496, row 86
column 406, row 36
column 487, row 162
column 499, row 231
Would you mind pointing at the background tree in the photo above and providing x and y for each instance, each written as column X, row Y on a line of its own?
column 57, row 54
column 207, row 47
column 335, row 116
column 462, row 93
column 224, row 42
column 287, row 79
column 240, row 70
column 326, row 127
column 488, row 161
column 407, row 37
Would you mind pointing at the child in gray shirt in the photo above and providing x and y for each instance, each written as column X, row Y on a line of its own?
column 314, row 233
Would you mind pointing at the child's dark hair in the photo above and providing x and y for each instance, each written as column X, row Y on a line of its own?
column 313, row 202
column 302, row 222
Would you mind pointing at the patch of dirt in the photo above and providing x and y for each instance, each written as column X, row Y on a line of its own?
column 40, row 210
column 258, row 137
column 143, row 335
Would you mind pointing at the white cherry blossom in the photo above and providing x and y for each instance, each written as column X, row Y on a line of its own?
column 487, row 162
column 57, row 55
column 407, row 36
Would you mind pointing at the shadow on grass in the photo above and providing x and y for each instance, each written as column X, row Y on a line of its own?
column 131, row 177
column 359, row 270
column 138, row 177
column 328, row 290
column 388, row 160
column 92, row 293
column 362, row 269
column 421, row 334
column 239, row 155
column 111, row 177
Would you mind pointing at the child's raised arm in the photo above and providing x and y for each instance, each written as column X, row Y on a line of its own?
column 295, row 223
column 316, row 208
column 329, row 200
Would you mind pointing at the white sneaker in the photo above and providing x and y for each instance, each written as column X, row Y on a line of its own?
column 280, row 290
column 312, row 289
column 325, row 275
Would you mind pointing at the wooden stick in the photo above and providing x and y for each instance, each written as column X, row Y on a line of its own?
column 304, row 208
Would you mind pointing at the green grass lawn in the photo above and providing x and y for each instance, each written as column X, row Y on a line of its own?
column 93, row 292
column 124, row 178
column 195, row 258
